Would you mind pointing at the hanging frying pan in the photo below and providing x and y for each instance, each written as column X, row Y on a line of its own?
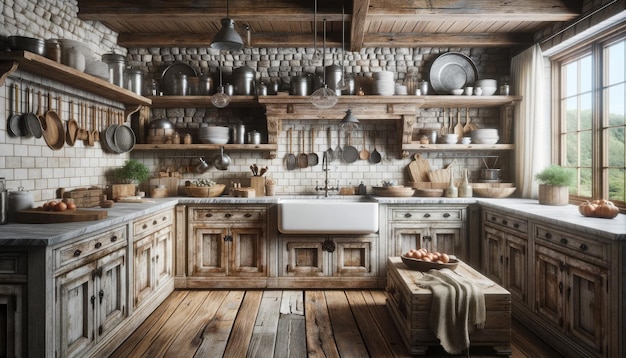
column 14, row 121
column 350, row 153
column 29, row 117
column 72, row 127
column 375, row 156
column 109, row 136
column 313, row 157
column 34, row 124
column 124, row 137
column 103, row 139
column 55, row 131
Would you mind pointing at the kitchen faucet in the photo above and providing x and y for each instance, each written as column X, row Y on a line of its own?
column 326, row 188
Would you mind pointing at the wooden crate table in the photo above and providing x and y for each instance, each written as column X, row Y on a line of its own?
column 410, row 310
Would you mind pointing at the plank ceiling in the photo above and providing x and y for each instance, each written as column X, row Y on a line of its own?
column 368, row 23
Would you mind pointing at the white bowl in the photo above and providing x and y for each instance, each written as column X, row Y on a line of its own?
column 457, row 92
column 486, row 82
column 213, row 140
column 489, row 132
column 488, row 90
column 486, row 140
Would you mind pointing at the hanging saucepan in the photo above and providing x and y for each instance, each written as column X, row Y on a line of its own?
column 55, row 131
column 350, row 153
column 124, row 137
column 28, row 116
column 221, row 162
column 14, row 120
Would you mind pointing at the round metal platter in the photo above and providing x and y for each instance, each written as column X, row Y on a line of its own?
column 124, row 138
column 452, row 71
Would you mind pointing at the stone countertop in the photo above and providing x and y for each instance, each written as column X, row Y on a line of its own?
column 51, row 234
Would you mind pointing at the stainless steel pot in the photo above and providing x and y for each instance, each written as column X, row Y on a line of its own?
column 117, row 67
column 202, row 166
column 490, row 174
column 243, row 81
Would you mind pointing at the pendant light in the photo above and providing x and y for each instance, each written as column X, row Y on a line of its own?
column 324, row 97
column 227, row 38
column 220, row 99
column 349, row 122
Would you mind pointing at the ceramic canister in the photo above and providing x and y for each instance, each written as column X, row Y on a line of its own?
column 19, row 200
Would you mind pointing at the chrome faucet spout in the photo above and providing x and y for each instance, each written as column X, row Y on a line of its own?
column 326, row 188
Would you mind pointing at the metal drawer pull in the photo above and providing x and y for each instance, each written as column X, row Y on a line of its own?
column 77, row 253
column 493, row 218
column 114, row 238
column 248, row 215
column 98, row 245
column 563, row 241
column 408, row 215
column 164, row 218
column 145, row 226
column 209, row 215
column 584, row 247
column 227, row 215
column 516, row 225
column 548, row 235
column 504, row 222
column 427, row 215
column 446, row 215
column 155, row 222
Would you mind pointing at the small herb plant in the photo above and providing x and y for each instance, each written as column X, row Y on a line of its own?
column 556, row 175
column 132, row 171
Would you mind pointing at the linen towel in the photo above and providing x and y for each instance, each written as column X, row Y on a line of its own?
column 458, row 306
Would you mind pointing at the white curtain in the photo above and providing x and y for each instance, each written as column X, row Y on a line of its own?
column 531, row 128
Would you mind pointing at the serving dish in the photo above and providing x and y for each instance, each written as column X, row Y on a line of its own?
column 420, row 265
column 452, row 70
column 168, row 77
column 397, row 191
column 494, row 192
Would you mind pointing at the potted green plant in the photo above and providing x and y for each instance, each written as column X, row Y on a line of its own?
column 554, row 182
column 133, row 171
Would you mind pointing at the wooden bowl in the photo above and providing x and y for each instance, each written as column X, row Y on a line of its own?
column 493, row 192
column 429, row 192
column 399, row 191
column 206, row 191
column 420, row 265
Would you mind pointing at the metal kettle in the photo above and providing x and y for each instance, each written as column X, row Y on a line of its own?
column 244, row 81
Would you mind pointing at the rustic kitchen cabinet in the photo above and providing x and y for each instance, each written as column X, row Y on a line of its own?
column 13, row 279
column 227, row 245
column 332, row 255
column 153, row 256
column 434, row 228
column 505, row 253
column 571, row 288
column 90, row 291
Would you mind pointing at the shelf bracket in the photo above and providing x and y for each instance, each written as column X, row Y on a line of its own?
column 6, row 69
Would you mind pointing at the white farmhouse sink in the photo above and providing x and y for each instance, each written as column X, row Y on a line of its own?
column 327, row 216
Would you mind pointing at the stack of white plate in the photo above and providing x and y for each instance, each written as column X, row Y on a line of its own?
column 450, row 138
column 214, row 134
column 384, row 84
column 98, row 69
column 485, row 136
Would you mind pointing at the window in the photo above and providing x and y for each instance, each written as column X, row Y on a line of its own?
column 591, row 107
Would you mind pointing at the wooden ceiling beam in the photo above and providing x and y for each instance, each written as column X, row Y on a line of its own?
column 357, row 28
column 446, row 40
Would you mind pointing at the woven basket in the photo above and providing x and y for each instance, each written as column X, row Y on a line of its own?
column 206, row 191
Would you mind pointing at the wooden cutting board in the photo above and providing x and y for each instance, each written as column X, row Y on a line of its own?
column 39, row 216
column 419, row 168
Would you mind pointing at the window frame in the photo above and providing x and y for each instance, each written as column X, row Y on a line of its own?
column 595, row 47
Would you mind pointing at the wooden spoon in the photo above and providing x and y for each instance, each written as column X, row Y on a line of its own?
column 458, row 129
column 466, row 127
column 72, row 127
column 364, row 154
column 94, row 125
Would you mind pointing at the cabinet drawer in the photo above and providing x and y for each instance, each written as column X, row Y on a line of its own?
column 500, row 220
column 152, row 223
column 224, row 215
column 426, row 214
column 13, row 265
column 98, row 244
column 571, row 242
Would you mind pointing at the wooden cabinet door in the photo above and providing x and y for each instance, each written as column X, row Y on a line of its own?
column 12, row 333
column 144, row 280
column 406, row 237
column 493, row 257
column 303, row 257
column 75, row 311
column 516, row 267
column 354, row 256
column 163, row 256
column 587, row 304
column 111, row 291
column 247, row 251
column 444, row 238
column 549, row 285
column 208, row 254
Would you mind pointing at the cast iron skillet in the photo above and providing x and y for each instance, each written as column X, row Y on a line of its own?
column 350, row 153
column 14, row 121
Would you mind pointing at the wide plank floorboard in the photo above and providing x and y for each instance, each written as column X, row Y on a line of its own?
column 285, row 324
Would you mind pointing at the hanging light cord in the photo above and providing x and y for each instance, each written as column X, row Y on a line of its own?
column 315, row 30
column 227, row 16
column 324, row 54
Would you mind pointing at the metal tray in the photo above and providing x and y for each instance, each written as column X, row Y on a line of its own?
column 452, row 70
column 168, row 77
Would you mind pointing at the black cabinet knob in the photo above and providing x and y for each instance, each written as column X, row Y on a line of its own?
column 98, row 245
column 446, row 215
column 407, row 215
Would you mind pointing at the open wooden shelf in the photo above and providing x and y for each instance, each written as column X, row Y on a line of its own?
column 200, row 101
column 188, row 147
column 12, row 61
column 456, row 147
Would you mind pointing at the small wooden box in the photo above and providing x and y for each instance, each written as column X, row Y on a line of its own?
column 410, row 310
column 84, row 198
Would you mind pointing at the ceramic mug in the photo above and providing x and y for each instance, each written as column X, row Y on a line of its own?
column 468, row 91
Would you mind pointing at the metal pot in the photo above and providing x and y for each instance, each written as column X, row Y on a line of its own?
column 22, row 43
column 222, row 161
column 332, row 76
column 202, row 166
column 243, row 81
column 117, row 67
column 490, row 174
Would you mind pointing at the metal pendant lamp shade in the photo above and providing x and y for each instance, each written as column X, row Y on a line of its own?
column 227, row 38
column 349, row 122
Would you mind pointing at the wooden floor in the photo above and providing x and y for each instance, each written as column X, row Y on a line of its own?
column 256, row 323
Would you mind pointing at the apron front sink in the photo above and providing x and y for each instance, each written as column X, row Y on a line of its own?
column 327, row 216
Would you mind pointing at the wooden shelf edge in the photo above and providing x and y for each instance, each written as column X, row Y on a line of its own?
column 457, row 147
column 186, row 147
column 200, row 101
column 46, row 68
